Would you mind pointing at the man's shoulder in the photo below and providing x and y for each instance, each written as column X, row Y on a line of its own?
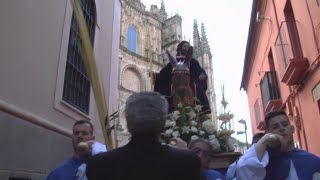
column 308, row 158
column 306, row 154
column 60, row 171
column 183, row 154
column 109, row 155
column 168, row 151
column 177, row 151
column 67, row 162
column 213, row 174
column 57, row 173
column 131, row 161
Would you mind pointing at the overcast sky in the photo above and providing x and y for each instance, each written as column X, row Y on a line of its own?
column 226, row 23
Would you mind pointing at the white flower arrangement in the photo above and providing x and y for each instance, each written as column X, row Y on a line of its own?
column 208, row 126
column 188, row 124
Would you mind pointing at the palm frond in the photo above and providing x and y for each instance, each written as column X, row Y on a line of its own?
column 91, row 69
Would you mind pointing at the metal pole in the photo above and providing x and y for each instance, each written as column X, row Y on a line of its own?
column 245, row 131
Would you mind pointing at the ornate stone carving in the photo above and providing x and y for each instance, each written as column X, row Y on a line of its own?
column 137, row 4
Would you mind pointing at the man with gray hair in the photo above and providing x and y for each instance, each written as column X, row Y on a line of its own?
column 144, row 157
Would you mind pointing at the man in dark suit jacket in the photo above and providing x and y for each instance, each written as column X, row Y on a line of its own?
column 144, row 158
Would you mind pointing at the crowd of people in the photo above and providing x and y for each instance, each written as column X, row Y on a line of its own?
column 272, row 155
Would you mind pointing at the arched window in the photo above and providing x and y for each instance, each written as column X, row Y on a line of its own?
column 76, row 89
column 132, row 80
column 132, row 39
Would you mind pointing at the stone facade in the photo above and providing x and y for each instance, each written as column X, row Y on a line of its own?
column 154, row 33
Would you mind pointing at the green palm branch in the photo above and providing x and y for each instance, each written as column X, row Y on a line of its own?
column 91, row 69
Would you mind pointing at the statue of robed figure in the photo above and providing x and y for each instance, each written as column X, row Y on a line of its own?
column 183, row 80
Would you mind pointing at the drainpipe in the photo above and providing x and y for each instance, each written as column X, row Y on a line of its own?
column 276, row 14
column 302, row 124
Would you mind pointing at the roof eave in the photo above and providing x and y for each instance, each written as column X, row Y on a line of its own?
column 248, row 47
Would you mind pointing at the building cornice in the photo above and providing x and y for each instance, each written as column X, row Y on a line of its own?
column 244, row 81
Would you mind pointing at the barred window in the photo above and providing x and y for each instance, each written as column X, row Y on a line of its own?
column 132, row 39
column 76, row 90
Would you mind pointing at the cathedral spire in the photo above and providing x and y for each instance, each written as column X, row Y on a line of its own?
column 163, row 10
column 204, row 40
column 162, row 6
column 195, row 29
column 196, row 39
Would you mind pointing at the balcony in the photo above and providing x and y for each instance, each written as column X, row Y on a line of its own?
column 273, row 105
column 292, row 63
column 257, row 111
column 295, row 71
column 270, row 92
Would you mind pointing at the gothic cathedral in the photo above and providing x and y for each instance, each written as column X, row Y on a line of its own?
column 145, row 35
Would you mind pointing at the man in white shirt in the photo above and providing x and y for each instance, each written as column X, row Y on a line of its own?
column 231, row 173
column 274, row 155
column 74, row 167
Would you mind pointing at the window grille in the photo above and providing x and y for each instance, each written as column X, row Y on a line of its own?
column 76, row 90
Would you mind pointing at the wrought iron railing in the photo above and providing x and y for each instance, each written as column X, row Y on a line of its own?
column 288, row 44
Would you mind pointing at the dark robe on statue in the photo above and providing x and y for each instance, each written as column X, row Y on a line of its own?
column 163, row 84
